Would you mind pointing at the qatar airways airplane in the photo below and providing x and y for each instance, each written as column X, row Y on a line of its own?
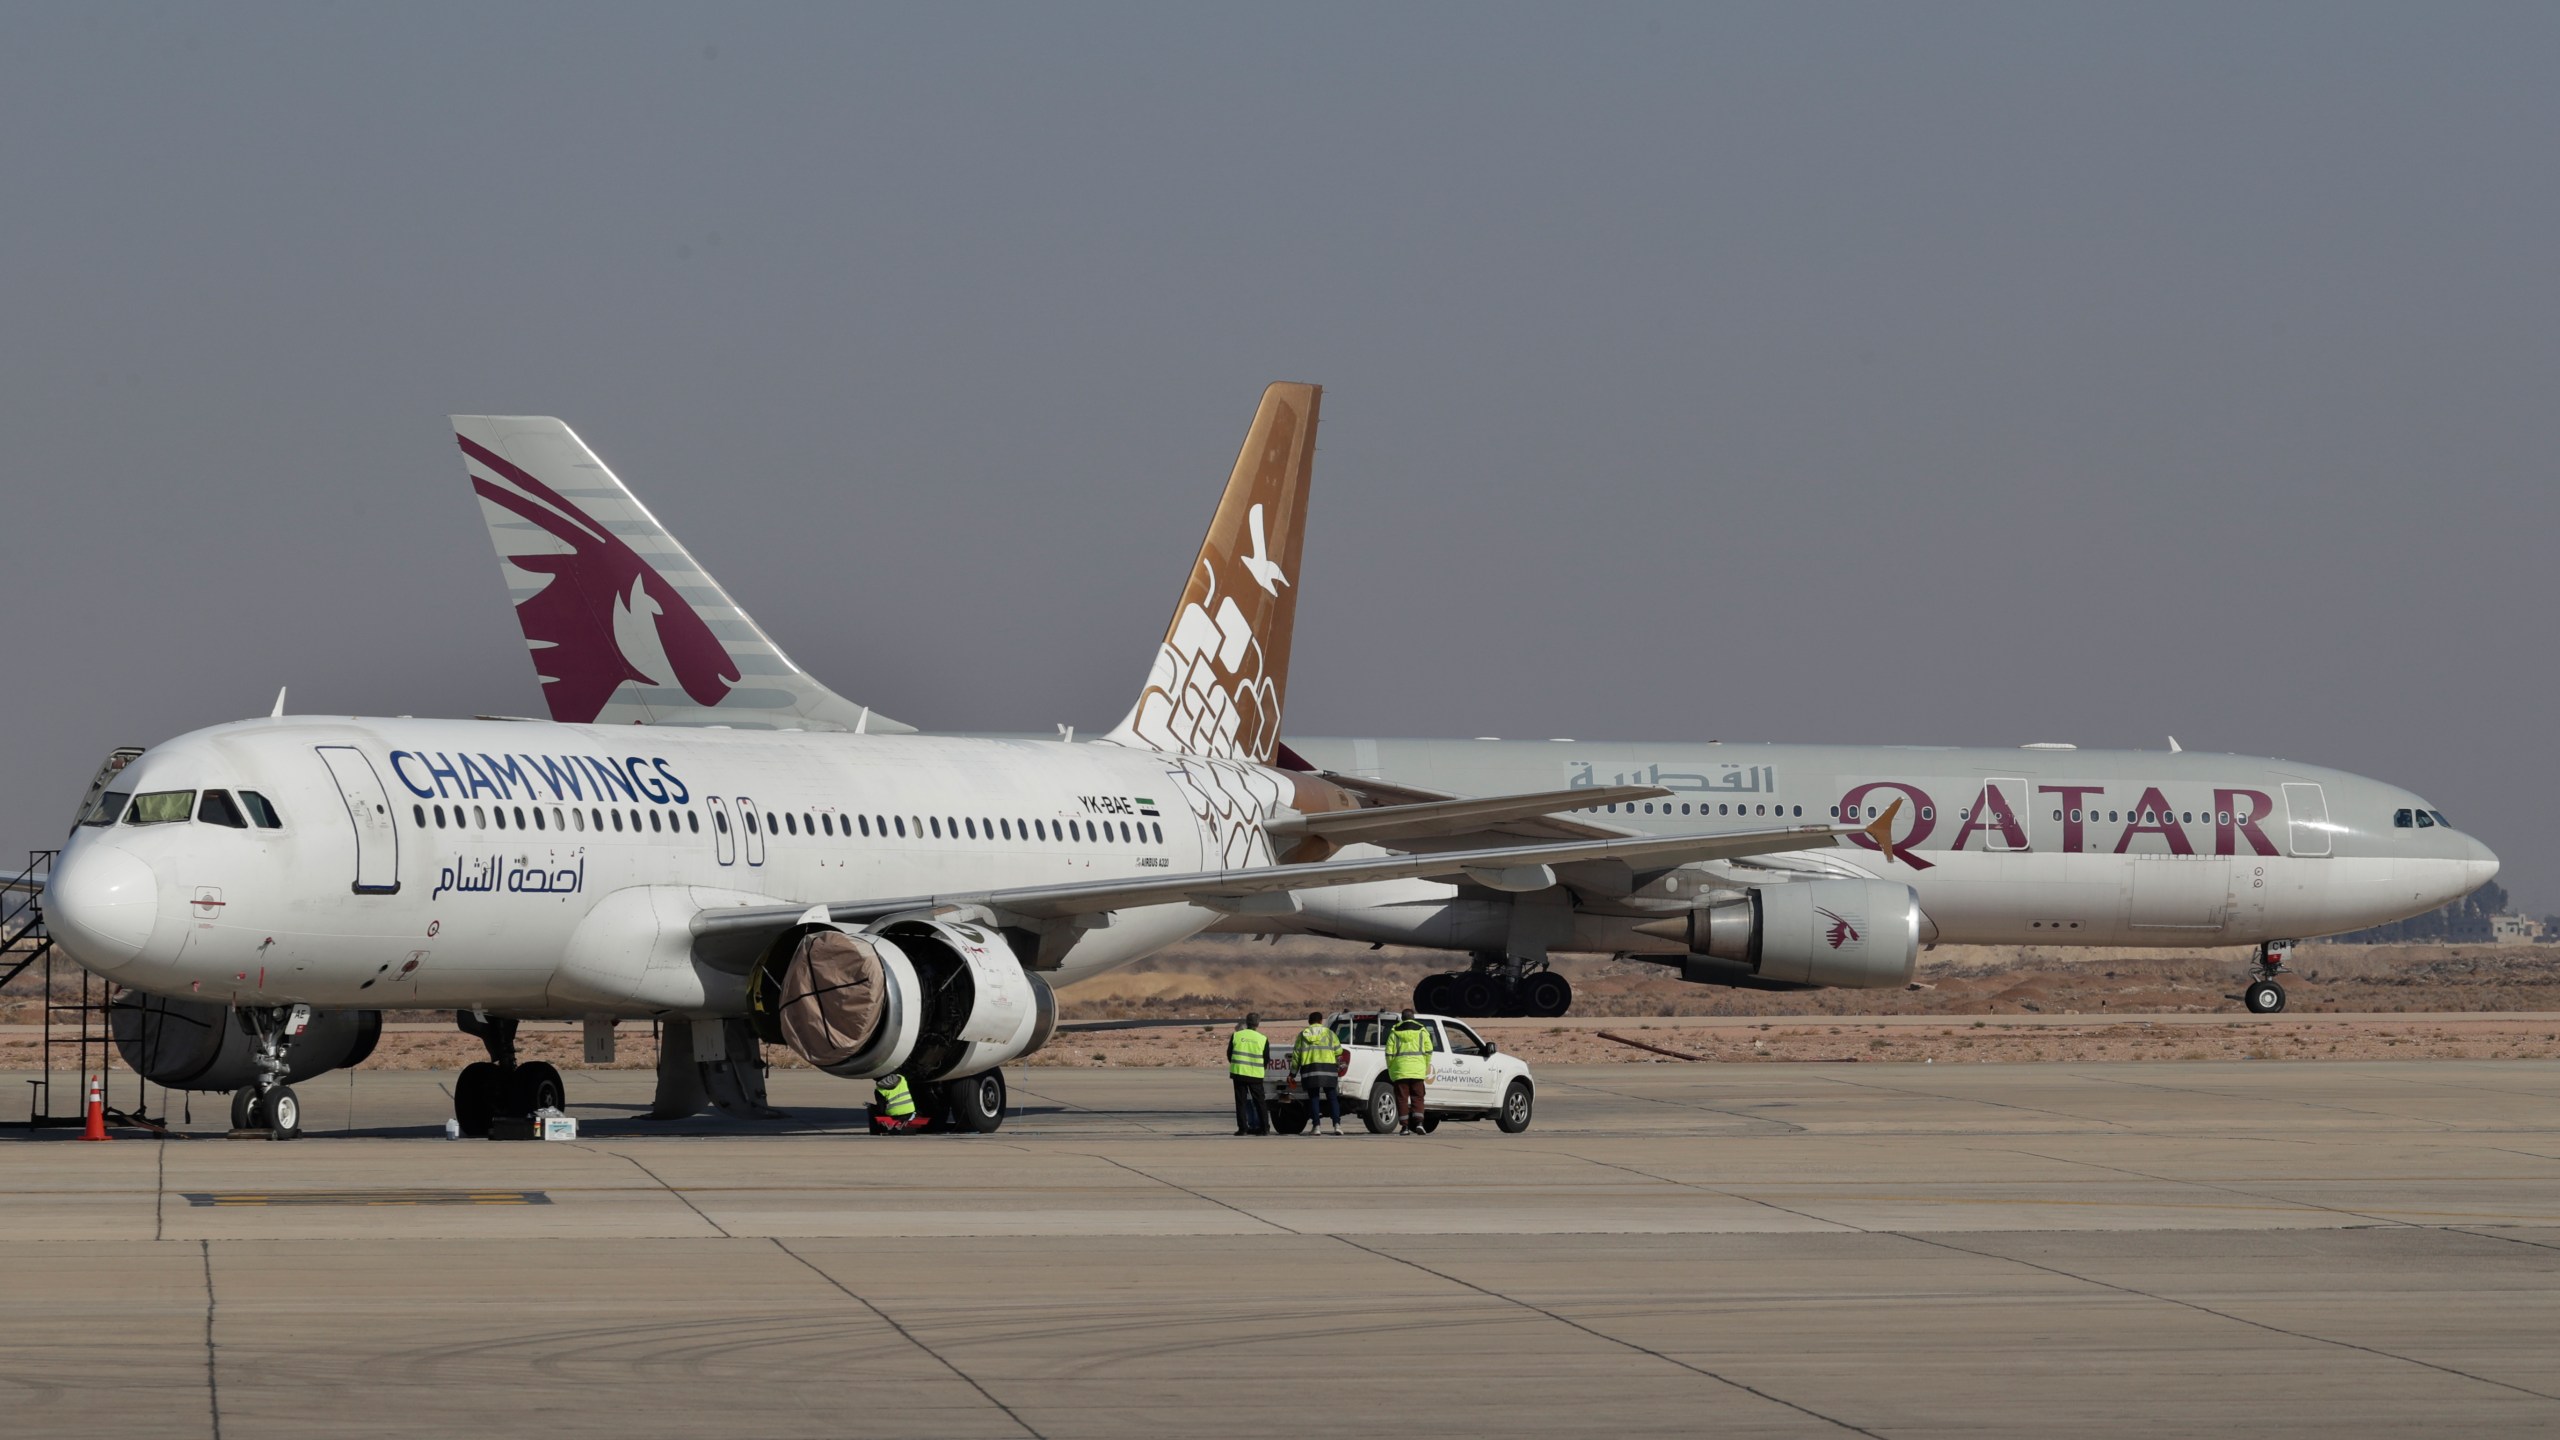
column 2043, row 845
column 786, row 868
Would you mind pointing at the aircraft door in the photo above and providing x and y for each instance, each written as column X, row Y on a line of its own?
column 2306, row 812
column 369, row 810
column 755, row 823
column 724, row 835
column 2004, row 802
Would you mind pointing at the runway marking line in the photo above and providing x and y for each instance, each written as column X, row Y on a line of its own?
column 239, row 1200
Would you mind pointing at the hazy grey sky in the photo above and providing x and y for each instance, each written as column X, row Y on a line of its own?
column 1945, row 374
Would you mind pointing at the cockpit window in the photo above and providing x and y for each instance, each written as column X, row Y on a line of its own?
column 260, row 811
column 216, row 809
column 2403, row 819
column 161, row 807
column 110, row 806
column 2426, row 820
column 2440, row 819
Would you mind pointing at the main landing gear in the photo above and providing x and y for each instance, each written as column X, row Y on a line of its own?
column 267, row 1103
column 2263, row 994
column 1497, row 985
column 499, row 1086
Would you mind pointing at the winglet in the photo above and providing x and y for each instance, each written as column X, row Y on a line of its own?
column 1881, row 830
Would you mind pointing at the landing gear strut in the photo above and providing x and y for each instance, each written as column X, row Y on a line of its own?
column 267, row 1103
column 1496, row 985
column 2263, row 994
column 499, row 1086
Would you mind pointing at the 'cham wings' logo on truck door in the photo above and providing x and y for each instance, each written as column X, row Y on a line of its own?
column 606, row 616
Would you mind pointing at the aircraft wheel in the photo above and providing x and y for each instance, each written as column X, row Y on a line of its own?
column 1380, row 1113
column 244, row 1108
column 2263, row 997
column 282, row 1110
column 1430, row 991
column 978, row 1101
column 1545, row 994
column 1516, row 1106
column 475, row 1097
column 536, row 1086
column 1474, row 994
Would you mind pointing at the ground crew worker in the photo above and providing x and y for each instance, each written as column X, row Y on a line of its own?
column 1318, row 1056
column 1408, row 1067
column 1247, row 1048
column 893, row 1105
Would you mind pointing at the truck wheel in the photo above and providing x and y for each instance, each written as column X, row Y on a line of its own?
column 1516, row 1105
column 1380, row 1113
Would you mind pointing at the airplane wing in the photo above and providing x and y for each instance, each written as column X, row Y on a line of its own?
column 1512, row 867
column 1426, row 819
column 1544, row 824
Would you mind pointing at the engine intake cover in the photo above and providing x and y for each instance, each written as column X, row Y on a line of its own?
column 200, row 1045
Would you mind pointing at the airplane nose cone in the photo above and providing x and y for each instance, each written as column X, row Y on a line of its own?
column 99, row 904
column 2479, row 864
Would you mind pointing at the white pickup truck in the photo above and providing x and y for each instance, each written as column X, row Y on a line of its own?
column 1470, row 1078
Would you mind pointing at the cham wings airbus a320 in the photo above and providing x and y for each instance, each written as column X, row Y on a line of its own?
column 878, row 901
column 2043, row 845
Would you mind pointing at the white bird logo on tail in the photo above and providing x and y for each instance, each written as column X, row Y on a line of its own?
column 1259, row 564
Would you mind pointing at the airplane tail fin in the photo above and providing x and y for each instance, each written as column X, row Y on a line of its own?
column 624, row 627
column 1217, row 683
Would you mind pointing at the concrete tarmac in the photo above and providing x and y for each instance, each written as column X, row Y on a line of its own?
column 2155, row 1249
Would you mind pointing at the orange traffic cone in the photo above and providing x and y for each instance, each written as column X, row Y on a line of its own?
column 97, row 1111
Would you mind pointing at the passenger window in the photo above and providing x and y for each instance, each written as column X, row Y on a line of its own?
column 1462, row 1038
column 417, row 813
column 479, row 818
column 161, row 807
column 501, row 812
column 617, row 820
column 439, row 817
column 865, row 822
column 110, row 806
column 598, row 817
column 654, row 825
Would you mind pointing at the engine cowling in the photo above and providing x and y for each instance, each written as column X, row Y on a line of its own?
column 199, row 1045
column 1853, row 934
column 930, row 999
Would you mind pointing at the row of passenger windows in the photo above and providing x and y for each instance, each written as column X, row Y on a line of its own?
column 170, row 807
column 1728, row 809
column 575, row 820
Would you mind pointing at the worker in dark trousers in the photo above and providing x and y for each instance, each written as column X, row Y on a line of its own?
column 1409, row 1069
column 1247, row 1049
column 1318, row 1057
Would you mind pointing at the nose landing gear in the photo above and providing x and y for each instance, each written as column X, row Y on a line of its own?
column 2264, row 993
column 267, row 1103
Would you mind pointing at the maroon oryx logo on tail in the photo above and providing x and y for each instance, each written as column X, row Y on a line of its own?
column 607, row 616
column 1841, row 931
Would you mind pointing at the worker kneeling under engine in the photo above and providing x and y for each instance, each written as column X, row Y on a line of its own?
column 893, row 1107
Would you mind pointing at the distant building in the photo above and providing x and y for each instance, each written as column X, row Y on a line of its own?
column 2513, row 929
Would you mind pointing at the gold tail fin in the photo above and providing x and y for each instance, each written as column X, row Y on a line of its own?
column 1220, row 676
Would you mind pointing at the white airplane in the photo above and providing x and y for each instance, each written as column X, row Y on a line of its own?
column 879, row 901
column 2046, row 845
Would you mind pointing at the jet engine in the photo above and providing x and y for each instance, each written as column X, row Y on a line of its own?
column 199, row 1045
column 930, row 999
column 1855, row 934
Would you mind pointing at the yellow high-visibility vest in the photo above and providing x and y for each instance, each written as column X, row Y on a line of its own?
column 1409, row 1051
column 1245, row 1052
column 896, row 1100
column 1318, row 1046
